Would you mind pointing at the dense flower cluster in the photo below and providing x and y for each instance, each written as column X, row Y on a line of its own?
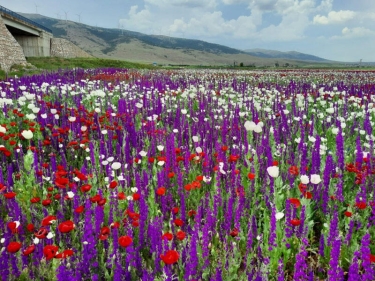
column 116, row 174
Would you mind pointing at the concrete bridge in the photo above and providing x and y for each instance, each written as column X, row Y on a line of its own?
column 34, row 38
column 21, row 38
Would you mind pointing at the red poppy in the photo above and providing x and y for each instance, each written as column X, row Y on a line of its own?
column 178, row 222
column 104, row 233
column 85, row 187
column 50, row 251
column 101, row 202
column 180, row 235
column 79, row 209
column 372, row 258
column 224, row 148
column 42, row 233
column 170, row 257
column 61, row 182
column 29, row 250
column 295, row 222
column 125, row 241
column 10, row 195
column 96, row 198
column 233, row 158
column 295, row 202
column 188, row 187
column 234, row 232
column 14, row 247
column 175, row 210
column 199, row 178
column 113, row 184
column 136, row 196
column 121, row 196
column 66, row 226
column 35, row 200
column 46, row 202
column 65, row 254
column 275, row 163
column 2, row 187
column 48, row 220
column 160, row 191
column 361, row 205
column 170, row 175
column 251, row 176
column 13, row 226
column 348, row 214
column 81, row 176
column 192, row 213
column 293, row 170
column 30, row 227
column 115, row 224
column 307, row 195
column 168, row 236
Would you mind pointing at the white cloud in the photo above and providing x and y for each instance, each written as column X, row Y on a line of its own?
column 203, row 19
column 184, row 3
column 355, row 32
column 291, row 28
column 335, row 17
column 233, row 2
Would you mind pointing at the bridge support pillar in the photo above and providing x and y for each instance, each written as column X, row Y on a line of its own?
column 10, row 50
column 34, row 46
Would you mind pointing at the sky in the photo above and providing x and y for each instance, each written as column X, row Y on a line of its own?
column 341, row 30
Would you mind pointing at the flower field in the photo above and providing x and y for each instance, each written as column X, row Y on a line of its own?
column 114, row 174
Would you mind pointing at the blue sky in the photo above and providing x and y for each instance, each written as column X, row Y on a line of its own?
column 341, row 30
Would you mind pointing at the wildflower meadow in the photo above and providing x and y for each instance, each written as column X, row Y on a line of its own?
column 119, row 174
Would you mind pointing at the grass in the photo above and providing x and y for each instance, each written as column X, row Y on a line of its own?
column 50, row 64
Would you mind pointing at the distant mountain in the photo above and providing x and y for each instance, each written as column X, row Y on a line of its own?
column 138, row 47
column 263, row 53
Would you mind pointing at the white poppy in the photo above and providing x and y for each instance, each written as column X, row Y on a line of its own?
column 70, row 194
column 250, row 126
column 315, row 179
column 273, row 171
column 27, row 134
column 305, row 179
column 279, row 216
column 116, row 165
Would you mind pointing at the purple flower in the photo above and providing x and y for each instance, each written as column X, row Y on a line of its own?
column 335, row 273
column 301, row 265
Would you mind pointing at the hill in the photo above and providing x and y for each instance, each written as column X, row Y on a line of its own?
column 133, row 46
column 263, row 53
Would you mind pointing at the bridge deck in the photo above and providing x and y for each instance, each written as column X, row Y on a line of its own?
column 10, row 15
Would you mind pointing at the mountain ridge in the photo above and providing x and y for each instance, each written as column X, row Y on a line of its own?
column 115, row 43
column 266, row 53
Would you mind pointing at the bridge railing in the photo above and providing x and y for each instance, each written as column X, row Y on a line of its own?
column 18, row 16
